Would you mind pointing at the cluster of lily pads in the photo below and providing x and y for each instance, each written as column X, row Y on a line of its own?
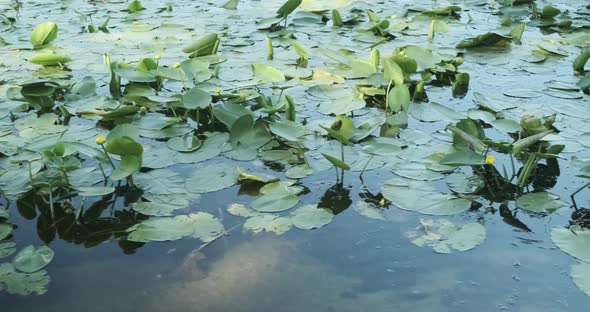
column 159, row 134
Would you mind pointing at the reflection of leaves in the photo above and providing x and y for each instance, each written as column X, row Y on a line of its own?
column 336, row 198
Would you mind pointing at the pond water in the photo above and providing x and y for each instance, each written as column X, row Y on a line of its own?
column 333, row 239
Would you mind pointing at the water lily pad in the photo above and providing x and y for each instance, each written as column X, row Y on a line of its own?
column 95, row 190
column 522, row 93
column 268, row 223
column 369, row 210
column 240, row 210
column 574, row 241
column 199, row 225
column 413, row 170
column 422, row 197
column 156, row 209
column 5, row 230
column 7, row 249
column 580, row 273
column 506, row 125
column 23, row 284
column 212, row 177
column 443, row 236
column 31, row 259
column 561, row 94
column 275, row 202
column 541, row 202
column 185, row 143
column 464, row 184
column 310, row 217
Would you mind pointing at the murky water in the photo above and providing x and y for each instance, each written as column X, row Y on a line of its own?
column 352, row 264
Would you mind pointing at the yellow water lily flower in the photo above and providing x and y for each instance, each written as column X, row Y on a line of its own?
column 217, row 90
column 158, row 56
column 490, row 160
column 100, row 139
column 176, row 65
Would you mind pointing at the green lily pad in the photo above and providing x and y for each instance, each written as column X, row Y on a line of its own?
column 7, row 249
column 17, row 283
column 240, row 210
column 4, row 213
column 574, row 241
column 156, row 209
column 541, row 202
column 185, row 143
column 522, row 93
column 369, row 210
column 31, row 259
column 422, row 197
column 464, row 184
column 199, row 225
column 311, row 217
column 580, row 273
column 95, row 190
column 275, row 202
column 268, row 223
column 212, row 177
column 443, row 236
column 196, row 98
column 5, row 230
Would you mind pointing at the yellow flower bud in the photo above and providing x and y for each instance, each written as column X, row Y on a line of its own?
column 100, row 140
column 157, row 57
column 490, row 160
column 176, row 65
column 217, row 90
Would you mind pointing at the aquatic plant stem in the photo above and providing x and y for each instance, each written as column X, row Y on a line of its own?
column 576, row 192
column 387, row 98
column 107, row 155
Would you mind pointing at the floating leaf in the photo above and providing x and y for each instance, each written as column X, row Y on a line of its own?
column 268, row 223
column 196, row 98
column 185, row 143
column 540, row 202
column 423, row 198
column 580, row 273
column 574, row 241
column 5, row 230
column 311, row 217
column 7, row 249
column 31, row 259
column 95, row 190
column 463, row 184
column 463, row 158
column 23, row 284
column 275, row 202
column 443, row 236
column 485, row 40
column 211, row 177
column 368, row 210
column 200, row 225
column 156, row 209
